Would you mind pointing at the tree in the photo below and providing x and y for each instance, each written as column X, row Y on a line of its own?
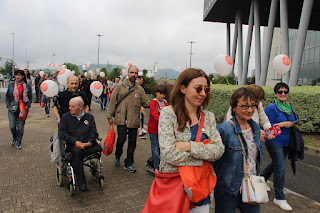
column 74, row 67
column 103, row 69
column 211, row 76
column 150, row 82
column 115, row 73
column 144, row 72
column 8, row 66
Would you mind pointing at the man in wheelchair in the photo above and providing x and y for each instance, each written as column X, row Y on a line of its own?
column 79, row 131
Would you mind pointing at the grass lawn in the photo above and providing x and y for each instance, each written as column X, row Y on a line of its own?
column 311, row 139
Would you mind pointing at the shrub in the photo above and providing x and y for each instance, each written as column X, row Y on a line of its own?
column 305, row 101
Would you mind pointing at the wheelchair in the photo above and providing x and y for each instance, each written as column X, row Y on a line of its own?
column 65, row 170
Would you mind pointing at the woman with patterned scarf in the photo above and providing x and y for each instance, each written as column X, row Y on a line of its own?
column 17, row 90
column 279, row 112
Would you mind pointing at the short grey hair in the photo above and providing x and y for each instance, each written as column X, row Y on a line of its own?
column 79, row 100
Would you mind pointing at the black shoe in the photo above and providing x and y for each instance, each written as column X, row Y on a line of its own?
column 83, row 188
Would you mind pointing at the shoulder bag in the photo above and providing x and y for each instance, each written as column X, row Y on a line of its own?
column 123, row 97
column 198, row 181
column 14, row 107
column 253, row 188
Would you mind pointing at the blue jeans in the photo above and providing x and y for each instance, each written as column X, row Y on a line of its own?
column 47, row 108
column 155, row 150
column 103, row 101
column 229, row 204
column 277, row 166
column 16, row 126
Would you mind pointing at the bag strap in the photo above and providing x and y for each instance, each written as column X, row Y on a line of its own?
column 199, row 133
column 243, row 151
column 123, row 97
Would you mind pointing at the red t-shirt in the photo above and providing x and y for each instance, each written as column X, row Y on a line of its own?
column 155, row 109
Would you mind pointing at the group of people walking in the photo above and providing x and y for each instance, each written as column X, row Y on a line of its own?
column 173, row 129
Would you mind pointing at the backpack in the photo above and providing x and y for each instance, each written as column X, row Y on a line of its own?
column 55, row 148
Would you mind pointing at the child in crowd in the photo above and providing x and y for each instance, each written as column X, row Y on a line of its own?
column 156, row 106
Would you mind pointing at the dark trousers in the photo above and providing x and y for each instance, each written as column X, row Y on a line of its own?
column 89, row 96
column 229, row 203
column 37, row 89
column 132, row 140
column 77, row 156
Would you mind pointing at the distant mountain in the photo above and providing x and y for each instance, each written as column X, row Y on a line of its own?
column 171, row 74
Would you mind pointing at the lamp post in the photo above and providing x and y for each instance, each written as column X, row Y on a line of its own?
column 191, row 42
column 12, row 54
column 99, row 35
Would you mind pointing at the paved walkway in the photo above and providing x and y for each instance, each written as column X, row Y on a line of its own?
column 28, row 178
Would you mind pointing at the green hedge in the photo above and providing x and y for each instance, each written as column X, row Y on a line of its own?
column 305, row 101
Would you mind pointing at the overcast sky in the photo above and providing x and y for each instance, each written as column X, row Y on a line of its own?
column 138, row 31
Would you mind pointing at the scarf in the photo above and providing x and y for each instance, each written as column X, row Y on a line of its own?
column 25, row 98
column 283, row 107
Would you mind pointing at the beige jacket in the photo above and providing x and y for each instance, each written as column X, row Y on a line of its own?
column 130, row 104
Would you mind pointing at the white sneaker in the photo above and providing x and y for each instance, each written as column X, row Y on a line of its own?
column 144, row 131
column 283, row 204
column 268, row 188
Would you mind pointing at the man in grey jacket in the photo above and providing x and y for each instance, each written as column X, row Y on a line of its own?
column 126, row 111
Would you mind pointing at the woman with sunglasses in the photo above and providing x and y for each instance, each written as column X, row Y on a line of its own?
column 280, row 113
column 17, row 90
column 179, row 124
column 229, row 169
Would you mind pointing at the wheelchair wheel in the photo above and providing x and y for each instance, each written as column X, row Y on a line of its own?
column 59, row 176
column 71, row 188
column 101, row 182
column 94, row 168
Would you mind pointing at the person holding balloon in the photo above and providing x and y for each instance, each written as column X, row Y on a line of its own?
column 45, row 100
column 87, row 82
column 61, row 103
column 18, row 92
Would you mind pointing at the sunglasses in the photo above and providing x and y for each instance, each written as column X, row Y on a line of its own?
column 280, row 92
column 246, row 107
column 200, row 88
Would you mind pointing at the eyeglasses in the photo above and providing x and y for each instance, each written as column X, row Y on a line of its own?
column 281, row 91
column 246, row 107
column 200, row 88
column 134, row 73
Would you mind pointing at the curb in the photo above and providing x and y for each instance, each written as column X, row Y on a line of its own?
column 312, row 151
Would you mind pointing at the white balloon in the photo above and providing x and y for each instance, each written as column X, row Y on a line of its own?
column 124, row 72
column 85, row 74
column 84, row 67
column 96, row 88
column 41, row 73
column 49, row 88
column 282, row 64
column 98, row 71
column 102, row 74
column 58, row 67
column 91, row 72
column 64, row 67
column 63, row 76
column 49, row 64
column 223, row 64
column 88, row 64
column 73, row 72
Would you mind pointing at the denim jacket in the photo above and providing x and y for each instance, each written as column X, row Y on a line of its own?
column 229, row 168
column 10, row 98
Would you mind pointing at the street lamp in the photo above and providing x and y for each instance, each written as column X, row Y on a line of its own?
column 191, row 42
column 99, row 35
column 12, row 54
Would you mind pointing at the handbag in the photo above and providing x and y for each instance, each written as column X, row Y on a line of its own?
column 167, row 195
column 109, row 141
column 253, row 188
column 199, row 181
column 22, row 111
column 14, row 107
